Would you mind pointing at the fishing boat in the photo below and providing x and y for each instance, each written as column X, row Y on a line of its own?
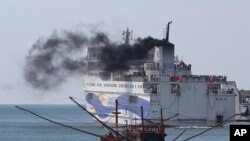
column 139, row 132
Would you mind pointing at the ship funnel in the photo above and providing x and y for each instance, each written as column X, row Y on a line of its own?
column 167, row 34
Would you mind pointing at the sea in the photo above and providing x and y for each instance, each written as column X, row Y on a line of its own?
column 17, row 125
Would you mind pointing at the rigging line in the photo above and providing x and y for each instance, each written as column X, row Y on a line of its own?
column 81, row 99
column 67, row 126
column 179, row 135
column 107, row 121
column 210, row 128
column 105, row 125
column 171, row 117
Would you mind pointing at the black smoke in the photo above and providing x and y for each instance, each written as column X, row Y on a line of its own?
column 117, row 57
column 50, row 62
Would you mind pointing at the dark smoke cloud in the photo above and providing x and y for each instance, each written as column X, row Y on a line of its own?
column 51, row 61
column 116, row 57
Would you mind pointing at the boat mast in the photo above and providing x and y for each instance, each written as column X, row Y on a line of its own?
column 116, row 114
column 162, row 125
column 142, row 122
column 162, row 122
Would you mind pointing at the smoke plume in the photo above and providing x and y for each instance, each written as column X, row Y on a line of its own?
column 115, row 58
column 50, row 62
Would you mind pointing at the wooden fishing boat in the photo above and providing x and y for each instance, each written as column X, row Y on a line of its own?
column 141, row 132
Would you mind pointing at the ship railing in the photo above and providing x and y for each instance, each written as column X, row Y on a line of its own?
column 222, row 91
column 218, row 79
column 140, row 78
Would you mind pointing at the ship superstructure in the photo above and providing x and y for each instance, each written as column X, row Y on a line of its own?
column 160, row 81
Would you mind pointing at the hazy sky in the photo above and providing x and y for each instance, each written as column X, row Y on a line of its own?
column 212, row 35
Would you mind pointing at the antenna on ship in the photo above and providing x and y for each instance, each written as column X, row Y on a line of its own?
column 167, row 35
column 127, row 35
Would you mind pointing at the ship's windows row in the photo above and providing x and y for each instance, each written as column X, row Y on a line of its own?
column 99, row 84
column 91, row 84
column 127, row 86
column 109, row 85
column 130, row 86
column 115, row 85
column 140, row 86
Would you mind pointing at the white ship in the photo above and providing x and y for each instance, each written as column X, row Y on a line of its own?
column 161, row 81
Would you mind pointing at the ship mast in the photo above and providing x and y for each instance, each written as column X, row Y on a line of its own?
column 127, row 36
column 167, row 34
column 116, row 114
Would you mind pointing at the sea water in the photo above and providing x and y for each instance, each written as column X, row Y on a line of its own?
column 17, row 125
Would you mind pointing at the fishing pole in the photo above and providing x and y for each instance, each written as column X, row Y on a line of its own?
column 67, row 126
column 179, row 135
